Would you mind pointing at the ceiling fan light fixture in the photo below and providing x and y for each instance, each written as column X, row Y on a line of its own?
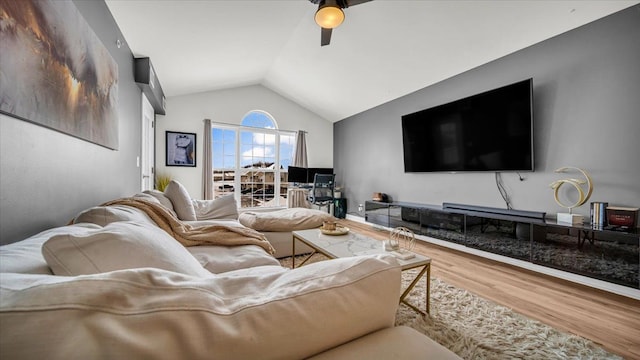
column 329, row 16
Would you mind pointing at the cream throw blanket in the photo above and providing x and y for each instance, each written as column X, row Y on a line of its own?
column 189, row 235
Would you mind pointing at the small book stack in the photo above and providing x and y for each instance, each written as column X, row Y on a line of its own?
column 599, row 215
column 625, row 217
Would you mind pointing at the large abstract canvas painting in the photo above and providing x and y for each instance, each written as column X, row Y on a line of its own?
column 55, row 72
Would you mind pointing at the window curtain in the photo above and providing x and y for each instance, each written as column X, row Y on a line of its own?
column 298, row 197
column 207, row 166
column 300, row 155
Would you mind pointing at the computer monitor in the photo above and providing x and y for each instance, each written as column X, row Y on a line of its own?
column 311, row 172
column 297, row 174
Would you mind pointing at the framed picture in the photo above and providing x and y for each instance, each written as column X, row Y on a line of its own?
column 181, row 149
column 56, row 72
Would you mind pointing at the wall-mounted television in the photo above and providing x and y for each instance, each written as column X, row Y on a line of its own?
column 490, row 131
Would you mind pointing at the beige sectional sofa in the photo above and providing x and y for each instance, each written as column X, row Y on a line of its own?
column 114, row 285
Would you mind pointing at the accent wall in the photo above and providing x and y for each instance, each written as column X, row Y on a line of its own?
column 47, row 177
column 586, row 93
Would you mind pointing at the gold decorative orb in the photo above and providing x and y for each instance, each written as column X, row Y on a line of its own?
column 403, row 238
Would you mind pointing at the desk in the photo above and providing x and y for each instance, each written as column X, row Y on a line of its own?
column 297, row 197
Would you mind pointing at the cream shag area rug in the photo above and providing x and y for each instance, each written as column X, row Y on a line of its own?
column 475, row 328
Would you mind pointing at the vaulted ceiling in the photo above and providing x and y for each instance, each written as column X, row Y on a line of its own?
column 384, row 49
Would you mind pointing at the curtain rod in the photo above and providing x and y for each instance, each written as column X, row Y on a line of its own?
column 249, row 127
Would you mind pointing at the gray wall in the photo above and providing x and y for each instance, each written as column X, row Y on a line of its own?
column 586, row 113
column 46, row 177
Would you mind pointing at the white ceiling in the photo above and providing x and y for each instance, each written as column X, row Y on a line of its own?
column 384, row 49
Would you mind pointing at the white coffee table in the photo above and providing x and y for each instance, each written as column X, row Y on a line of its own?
column 354, row 244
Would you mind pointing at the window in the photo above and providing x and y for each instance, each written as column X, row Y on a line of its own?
column 251, row 160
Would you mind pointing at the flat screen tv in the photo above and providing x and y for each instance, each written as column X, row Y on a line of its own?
column 490, row 131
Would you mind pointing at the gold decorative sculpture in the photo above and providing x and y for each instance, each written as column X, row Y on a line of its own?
column 577, row 183
column 401, row 243
column 582, row 196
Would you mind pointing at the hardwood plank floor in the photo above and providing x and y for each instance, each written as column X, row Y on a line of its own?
column 611, row 320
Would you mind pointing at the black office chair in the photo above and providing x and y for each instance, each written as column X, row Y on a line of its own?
column 321, row 193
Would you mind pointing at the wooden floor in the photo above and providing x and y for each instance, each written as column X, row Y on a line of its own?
column 611, row 320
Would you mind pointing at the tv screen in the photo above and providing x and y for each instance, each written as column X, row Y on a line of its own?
column 491, row 131
column 297, row 174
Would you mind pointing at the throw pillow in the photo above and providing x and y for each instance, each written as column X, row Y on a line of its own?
column 224, row 207
column 118, row 246
column 162, row 199
column 181, row 201
column 25, row 256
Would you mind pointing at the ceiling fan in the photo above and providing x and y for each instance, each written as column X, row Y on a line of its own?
column 330, row 15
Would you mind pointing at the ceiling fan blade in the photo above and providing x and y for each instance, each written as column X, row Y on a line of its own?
column 355, row 2
column 325, row 37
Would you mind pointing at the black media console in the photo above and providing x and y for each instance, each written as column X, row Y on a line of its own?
column 496, row 211
column 604, row 254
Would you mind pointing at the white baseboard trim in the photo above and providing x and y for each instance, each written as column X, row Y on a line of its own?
column 359, row 219
column 579, row 279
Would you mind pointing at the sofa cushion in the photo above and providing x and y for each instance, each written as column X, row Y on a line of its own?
column 104, row 215
column 180, row 200
column 117, row 246
column 282, row 244
column 262, row 270
column 224, row 207
column 223, row 222
column 284, row 220
column 25, row 256
column 220, row 259
column 155, row 314
column 399, row 342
